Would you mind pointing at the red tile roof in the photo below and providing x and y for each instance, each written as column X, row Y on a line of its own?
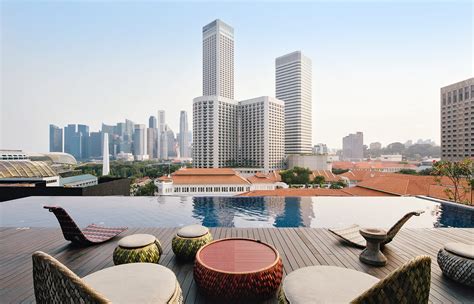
column 404, row 184
column 261, row 178
column 328, row 175
column 315, row 192
column 361, row 175
column 201, row 176
column 371, row 165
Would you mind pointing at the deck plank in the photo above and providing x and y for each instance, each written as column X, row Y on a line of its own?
column 298, row 247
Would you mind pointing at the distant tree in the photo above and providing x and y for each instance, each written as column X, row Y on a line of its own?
column 339, row 171
column 338, row 185
column 320, row 180
column 408, row 171
column 460, row 174
column 147, row 190
column 427, row 171
column 394, row 148
column 296, row 176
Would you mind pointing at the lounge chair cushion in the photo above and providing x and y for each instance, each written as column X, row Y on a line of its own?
column 134, row 283
column 326, row 284
column 136, row 241
column 461, row 249
column 192, row 231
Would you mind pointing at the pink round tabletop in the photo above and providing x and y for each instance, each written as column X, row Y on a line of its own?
column 237, row 255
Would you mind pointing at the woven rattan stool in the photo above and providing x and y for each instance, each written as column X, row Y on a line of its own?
column 189, row 240
column 138, row 248
column 456, row 261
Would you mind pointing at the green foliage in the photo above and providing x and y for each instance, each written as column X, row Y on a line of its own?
column 427, row 171
column 130, row 169
column 338, row 185
column 296, row 176
column 339, row 171
column 147, row 190
column 320, row 180
column 408, row 171
column 460, row 174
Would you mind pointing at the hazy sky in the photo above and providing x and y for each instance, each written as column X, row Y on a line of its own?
column 377, row 66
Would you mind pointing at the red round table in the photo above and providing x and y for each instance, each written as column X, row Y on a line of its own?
column 237, row 269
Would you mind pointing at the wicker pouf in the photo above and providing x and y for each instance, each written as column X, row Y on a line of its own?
column 138, row 248
column 189, row 240
column 238, row 270
column 456, row 261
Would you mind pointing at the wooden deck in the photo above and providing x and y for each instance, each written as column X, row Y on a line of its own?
column 298, row 247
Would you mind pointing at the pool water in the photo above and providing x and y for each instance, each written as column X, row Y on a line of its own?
column 316, row 212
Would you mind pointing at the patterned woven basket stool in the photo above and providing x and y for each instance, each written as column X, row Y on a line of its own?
column 456, row 261
column 189, row 240
column 138, row 248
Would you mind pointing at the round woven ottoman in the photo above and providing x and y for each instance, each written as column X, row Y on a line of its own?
column 137, row 283
column 456, row 261
column 238, row 270
column 138, row 248
column 189, row 240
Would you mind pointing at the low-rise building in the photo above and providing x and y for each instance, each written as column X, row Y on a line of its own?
column 214, row 182
column 79, row 181
column 312, row 162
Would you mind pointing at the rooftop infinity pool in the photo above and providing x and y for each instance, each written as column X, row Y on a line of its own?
column 316, row 212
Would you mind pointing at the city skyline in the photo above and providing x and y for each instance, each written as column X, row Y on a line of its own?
column 342, row 85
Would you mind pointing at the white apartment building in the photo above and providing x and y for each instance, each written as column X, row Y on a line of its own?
column 214, row 132
column 293, row 86
column 457, row 120
column 262, row 133
column 218, row 59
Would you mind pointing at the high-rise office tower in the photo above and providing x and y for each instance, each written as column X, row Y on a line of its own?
column 84, row 130
column 457, row 120
column 183, row 135
column 171, row 143
column 218, row 60
column 95, row 144
column 69, row 132
column 162, row 142
column 152, row 122
column 139, row 142
column 293, row 86
column 215, row 114
column 152, row 137
column 105, row 153
column 353, row 147
column 262, row 133
column 55, row 139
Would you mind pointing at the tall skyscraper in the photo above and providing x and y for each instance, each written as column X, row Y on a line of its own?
column 171, row 143
column 218, row 59
column 353, row 147
column 84, row 130
column 152, row 137
column 457, row 120
column 55, row 139
column 262, row 133
column 139, row 142
column 95, row 144
column 105, row 153
column 293, row 86
column 215, row 114
column 152, row 122
column 69, row 132
column 183, row 135
column 162, row 142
